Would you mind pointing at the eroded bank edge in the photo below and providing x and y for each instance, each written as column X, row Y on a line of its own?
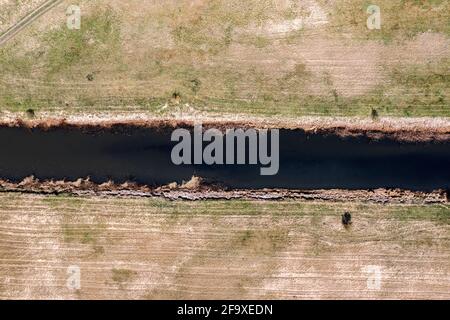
column 401, row 129
column 194, row 190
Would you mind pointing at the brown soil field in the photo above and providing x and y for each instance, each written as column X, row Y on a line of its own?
column 139, row 248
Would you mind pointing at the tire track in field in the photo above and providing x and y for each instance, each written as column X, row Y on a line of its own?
column 25, row 21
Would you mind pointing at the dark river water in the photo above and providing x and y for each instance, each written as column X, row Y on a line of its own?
column 143, row 155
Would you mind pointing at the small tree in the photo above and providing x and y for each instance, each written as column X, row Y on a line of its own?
column 374, row 114
column 346, row 219
column 30, row 113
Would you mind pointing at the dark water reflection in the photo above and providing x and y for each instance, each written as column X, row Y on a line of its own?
column 307, row 161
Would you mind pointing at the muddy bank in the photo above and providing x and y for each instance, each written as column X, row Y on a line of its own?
column 401, row 129
column 195, row 190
